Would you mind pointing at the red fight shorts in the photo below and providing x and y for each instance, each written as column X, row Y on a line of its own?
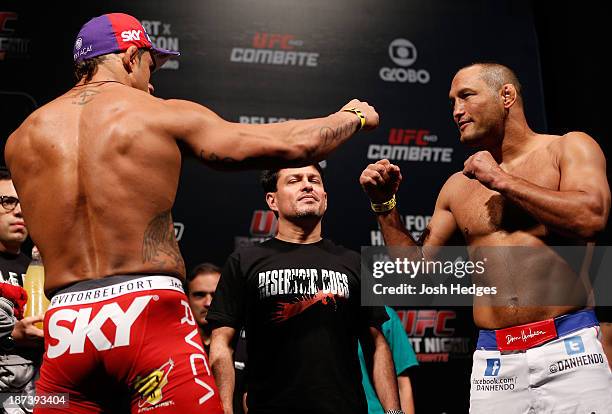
column 125, row 343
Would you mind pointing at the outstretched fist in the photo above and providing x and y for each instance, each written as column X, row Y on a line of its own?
column 380, row 181
column 371, row 116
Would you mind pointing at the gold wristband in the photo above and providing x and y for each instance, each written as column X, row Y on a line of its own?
column 384, row 207
column 362, row 118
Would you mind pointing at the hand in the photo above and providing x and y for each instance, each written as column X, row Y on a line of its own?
column 368, row 111
column 483, row 167
column 380, row 181
column 25, row 333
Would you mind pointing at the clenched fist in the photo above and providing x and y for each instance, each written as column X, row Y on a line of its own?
column 380, row 181
column 371, row 116
column 483, row 167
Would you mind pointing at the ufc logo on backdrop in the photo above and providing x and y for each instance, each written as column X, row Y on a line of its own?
column 418, row 321
column 73, row 340
column 270, row 40
column 130, row 35
column 263, row 223
column 5, row 17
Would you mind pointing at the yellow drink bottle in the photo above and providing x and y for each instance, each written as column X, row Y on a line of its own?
column 34, row 284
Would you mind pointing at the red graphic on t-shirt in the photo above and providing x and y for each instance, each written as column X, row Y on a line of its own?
column 288, row 310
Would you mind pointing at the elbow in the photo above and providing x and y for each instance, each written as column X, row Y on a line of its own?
column 592, row 222
column 591, row 227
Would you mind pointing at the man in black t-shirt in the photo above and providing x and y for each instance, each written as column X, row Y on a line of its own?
column 298, row 297
column 20, row 340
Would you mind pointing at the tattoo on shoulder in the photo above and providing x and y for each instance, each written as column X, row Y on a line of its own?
column 159, row 244
column 84, row 96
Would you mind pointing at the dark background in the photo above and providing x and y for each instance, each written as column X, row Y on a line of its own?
column 557, row 49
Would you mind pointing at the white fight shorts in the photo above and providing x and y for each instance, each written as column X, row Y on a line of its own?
column 555, row 366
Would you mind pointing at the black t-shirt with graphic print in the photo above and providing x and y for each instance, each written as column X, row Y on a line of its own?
column 13, row 267
column 300, row 306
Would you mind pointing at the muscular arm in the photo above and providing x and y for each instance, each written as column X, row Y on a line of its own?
column 228, row 145
column 222, row 363
column 381, row 181
column 580, row 207
column 376, row 350
column 438, row 232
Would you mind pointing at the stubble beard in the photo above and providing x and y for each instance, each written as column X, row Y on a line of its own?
column 305, row 212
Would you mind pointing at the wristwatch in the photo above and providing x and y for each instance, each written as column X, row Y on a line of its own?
column 394, row 412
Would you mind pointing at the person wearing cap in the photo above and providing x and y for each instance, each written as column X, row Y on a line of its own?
column 97, row 171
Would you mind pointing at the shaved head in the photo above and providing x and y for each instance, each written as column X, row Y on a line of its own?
column 497, row 75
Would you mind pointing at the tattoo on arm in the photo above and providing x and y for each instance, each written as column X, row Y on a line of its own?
column 229, row 163
column 214, row 158
column 84, row 96
column 330, row 136
column 159, row 243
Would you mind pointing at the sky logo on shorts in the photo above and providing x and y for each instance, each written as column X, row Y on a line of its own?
column 72, row 339
column 493, row 367
column 574, row 345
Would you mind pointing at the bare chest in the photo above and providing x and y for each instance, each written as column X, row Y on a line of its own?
column 480, row 212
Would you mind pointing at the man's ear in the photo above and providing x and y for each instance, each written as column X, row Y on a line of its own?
column 271, row 200
column 509, row 95
column 130, row 58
